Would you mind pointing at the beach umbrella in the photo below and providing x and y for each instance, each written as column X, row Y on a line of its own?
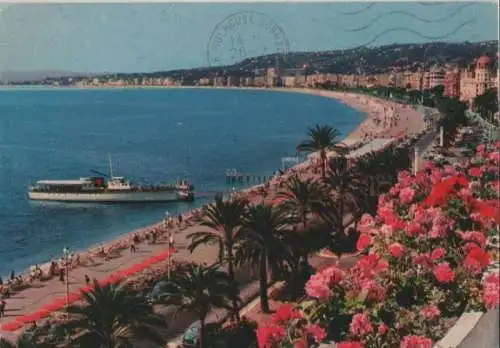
column 12, row 326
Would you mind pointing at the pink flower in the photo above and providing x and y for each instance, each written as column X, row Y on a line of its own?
column 423, row 260
column 474, row 236
column 475, row 172
column 361, row 325
column 416, row 342
column 407, row 195
column 476, row 260
column 494, row 156
column 284, row 314
column 397, row 250
column 444, row 273
column 320, row 284
column 317, row 332
column 437, row 253
column 491, row 290
column 414, row 229
column 382, row 329
column 374, row 291
column 364, row 241
column 430, row 312
column 366, row 224
column 350, row 344
column 269, row 336
column 480, row 148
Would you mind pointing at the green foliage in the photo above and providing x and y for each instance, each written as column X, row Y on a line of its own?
column 113, row 316
column 486, row 105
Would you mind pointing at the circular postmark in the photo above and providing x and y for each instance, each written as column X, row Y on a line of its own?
column 244, row 35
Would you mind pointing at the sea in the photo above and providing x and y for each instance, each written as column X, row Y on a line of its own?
column 151, row 135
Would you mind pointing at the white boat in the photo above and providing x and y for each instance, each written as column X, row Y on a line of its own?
column 115, row 189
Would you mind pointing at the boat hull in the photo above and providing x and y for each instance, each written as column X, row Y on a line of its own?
column 110, row 197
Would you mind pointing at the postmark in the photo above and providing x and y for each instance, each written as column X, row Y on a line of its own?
column 432, row 21
column 244, row 35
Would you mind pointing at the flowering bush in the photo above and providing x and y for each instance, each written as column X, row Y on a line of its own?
column 289, row 328
column 423, row 262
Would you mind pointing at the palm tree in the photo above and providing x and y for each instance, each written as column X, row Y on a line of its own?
column 321, row 139
column 301, row 197
column 223, row 218
column 199, row 289
column 263, row 241
column 33, row 339
column 370, row 170
column 343, row 183
column 113, row 316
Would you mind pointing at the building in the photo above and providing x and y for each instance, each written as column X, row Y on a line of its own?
column 452, row 83
column 205, row 81
column 273, row 77
column 477, row 80
column 232, row 81
column 289, row 81
column 260, row 81
column 397, row 80
column 219, row 81
column 467, row 85
column 414, row 80
column 483, row 75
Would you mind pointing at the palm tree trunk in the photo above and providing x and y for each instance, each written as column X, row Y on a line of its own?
column 234, row 292
column 202, row 332
column 264, row 301
column 341, row 211
column 323, row 163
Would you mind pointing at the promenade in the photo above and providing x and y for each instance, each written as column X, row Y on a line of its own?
column 41, row 293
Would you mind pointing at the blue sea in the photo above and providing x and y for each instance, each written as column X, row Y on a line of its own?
column 152, row 135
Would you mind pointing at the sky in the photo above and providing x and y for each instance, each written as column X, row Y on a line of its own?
column 151, row 37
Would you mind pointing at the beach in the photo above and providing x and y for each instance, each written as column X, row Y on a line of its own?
column 384, row 120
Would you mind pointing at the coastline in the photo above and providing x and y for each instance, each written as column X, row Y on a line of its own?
column 369, row 106
column 372, row 108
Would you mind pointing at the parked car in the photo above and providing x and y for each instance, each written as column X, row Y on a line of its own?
column 191, row 337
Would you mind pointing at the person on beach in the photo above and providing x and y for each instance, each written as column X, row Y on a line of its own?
column 2, row 308
column 61, row 274
column 179, row 218
column 132, row 247
column 171, row 240
column 87, row 279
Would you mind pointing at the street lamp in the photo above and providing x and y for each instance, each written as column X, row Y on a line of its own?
column 167, row 216
column 66, row 258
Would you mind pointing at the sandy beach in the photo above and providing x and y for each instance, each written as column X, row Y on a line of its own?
column 384, row 119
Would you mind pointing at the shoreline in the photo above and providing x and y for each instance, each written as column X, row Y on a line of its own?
column 369, row 106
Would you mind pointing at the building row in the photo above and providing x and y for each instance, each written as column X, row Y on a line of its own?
column 464, row 84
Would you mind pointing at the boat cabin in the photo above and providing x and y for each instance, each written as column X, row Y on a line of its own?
column 118, row 183
column 68, row 186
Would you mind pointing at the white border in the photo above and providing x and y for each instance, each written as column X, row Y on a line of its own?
column 13, row 2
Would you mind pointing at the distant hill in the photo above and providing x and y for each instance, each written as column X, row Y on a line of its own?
column 367, row 60
column 362, row 60
column 18, row 76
